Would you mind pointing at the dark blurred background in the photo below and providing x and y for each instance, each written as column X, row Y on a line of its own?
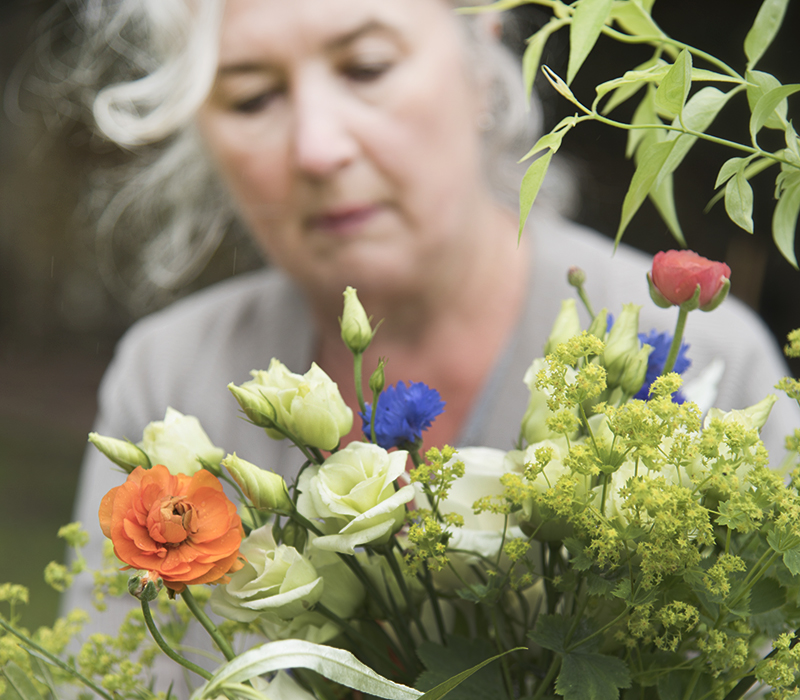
column 58, row 323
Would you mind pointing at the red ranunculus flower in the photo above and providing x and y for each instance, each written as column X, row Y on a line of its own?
column 183, row 528
column 677, row 273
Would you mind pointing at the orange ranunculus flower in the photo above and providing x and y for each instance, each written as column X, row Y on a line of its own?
column 182, row 527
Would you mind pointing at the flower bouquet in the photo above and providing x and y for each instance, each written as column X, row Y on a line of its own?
column 626, row 547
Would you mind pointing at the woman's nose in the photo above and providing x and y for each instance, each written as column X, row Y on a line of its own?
column 323, row 141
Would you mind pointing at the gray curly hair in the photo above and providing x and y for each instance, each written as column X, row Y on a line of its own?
column 138, row 70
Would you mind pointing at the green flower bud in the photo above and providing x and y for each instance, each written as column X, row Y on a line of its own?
column 576, row 277
column 254, row 404
column 623, row 343
column 752, row 417
column 378, row 379
column 266, row 490
column 122, row 452
column 295, row 536
column 599, row 324
column 356, row 329
column 567, row 325
column 145, row 585
column 635, row 371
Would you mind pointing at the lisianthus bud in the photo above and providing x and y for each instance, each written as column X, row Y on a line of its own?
column 122, row 452
column 308, row 407
column 636, row 371
column 599, row 325
column 254, row 404
column 356, row 329
column 677, row 274
column 179, row 442
column 567, row 325
column 623, row 343
column 378, row 379
column 266, row 490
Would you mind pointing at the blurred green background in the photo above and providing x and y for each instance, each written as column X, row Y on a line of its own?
column 58, row 323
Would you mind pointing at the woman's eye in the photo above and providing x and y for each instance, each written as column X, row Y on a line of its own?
column 366, row 72
column 258, row 103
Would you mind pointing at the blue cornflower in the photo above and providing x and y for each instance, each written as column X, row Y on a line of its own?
column 404, row 412
column 655, row 363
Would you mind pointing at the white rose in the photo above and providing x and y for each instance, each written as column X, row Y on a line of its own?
column 277, row 582
column 308, row 406
column 178, row 442
column 353, row 493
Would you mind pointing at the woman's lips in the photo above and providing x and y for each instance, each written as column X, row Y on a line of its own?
column 343, row 220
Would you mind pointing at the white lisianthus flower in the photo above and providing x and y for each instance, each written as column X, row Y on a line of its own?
column 179, row 442
column 353, row 493
column 276, row 582
column 308, row 406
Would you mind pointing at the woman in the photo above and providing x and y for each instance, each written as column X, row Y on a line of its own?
column 354, row 138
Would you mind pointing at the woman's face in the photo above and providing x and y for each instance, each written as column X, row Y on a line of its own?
column 346, row 131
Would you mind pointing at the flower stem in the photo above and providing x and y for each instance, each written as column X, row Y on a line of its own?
column 548, row 679
column 676, row 341
column 166, row 648
column 358, row 360
column 51, row 658
column 209, row 626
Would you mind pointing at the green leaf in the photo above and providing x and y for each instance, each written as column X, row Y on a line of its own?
column 765, row 27
column 698, row 114
column 674, row 88
column 530, row 186
column 587, row 22
column 663, row 198
column 578, row 559
column 636, row 20
column 768, row 595
column 20, row 682
column 626, row 87
column 645, row 114
column 592, row 677
column 758, row 85
column 728, row 169
column 651, row 160
column 444, row 688
column 766, row 105
column 750, row 172
column 533, row 52
column 461, row 654
column 335, row 664
column 784, row 218
column 739, row 201
column 792, row 561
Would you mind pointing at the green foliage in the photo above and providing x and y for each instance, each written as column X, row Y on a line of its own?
column 461, row 654
column 674, row 111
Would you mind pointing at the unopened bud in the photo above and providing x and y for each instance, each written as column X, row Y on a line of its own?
column 255, row 405
column 265, row 490
column 599, row 326
column 295, row 536
column 567, row 325
column 623, row 342
column 122, row 452
column 635, row 371
column 145, row 585
column 378, row 379
column 576, row 277
column 356, row 329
